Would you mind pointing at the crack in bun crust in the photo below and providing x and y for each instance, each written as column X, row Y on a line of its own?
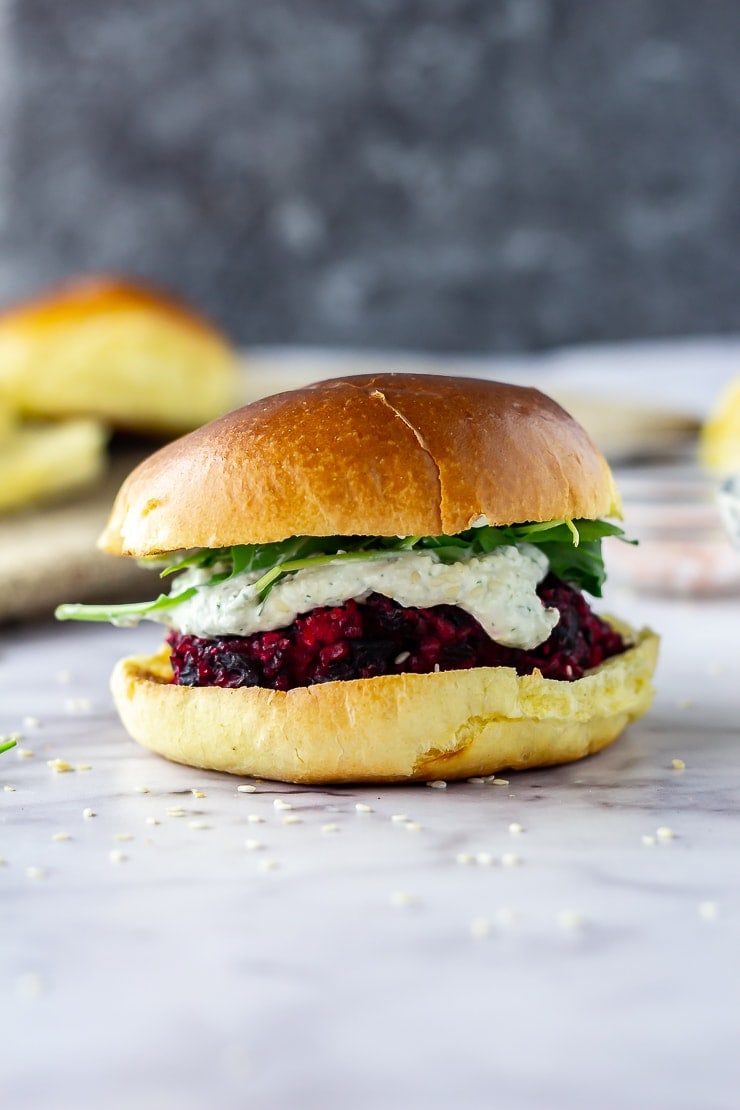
column 388, row 454
column 449, row 725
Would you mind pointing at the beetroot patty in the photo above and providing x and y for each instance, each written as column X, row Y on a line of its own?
column 379, row 636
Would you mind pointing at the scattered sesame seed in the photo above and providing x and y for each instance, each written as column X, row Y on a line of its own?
column 570, row 920
column 506, row 917
column 280, row 803
column 438, row 784
column 246, row 788
column 402, row 900
column 31, row 722
column 292, row 819
column 678, row 765
column 330, row 828
column 117, row 856
column 709, row 911
column 9, row 788
column 255, row 818
column 84, row 767
column 123, row 836
column 176, row 811
column 197, row 793
column 485, row 859
column 436, row 668
column 268, row 865
column 413, row 826
column 402, row 657
column 152, row 821
column 78, row 705
column 141, row 789
column 35, row 872
column 664, row 833
column 500, row 782
column 515, row 828
column 510, row 859
column 198, row 825
column 399, row 818
column 684, row 703
column 464, row 857
column 24, row 753
column 59, row 836
column 64, row 678
column 88, row 813
column 3, row 861
column 480, row 928
column 362, row 807
column 648, row 841
column 253, row 845
column 29, row 987
column 477, row 780
column 59, row 765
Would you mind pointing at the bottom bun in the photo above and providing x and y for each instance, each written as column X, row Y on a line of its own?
column 447, row 725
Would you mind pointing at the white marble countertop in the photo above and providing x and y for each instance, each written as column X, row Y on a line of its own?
column 157, row 960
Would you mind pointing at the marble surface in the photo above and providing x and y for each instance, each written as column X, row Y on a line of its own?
column 153, row 959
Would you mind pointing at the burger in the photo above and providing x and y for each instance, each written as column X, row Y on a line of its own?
column 377, row 579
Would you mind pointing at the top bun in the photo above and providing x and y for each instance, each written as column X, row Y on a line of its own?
column 385, row 455
column 124, row 353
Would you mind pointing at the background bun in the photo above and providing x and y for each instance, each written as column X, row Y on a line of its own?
column 387, row 454
column 396, row 727
column 128, row 355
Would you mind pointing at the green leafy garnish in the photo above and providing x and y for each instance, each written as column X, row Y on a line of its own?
column 7, row 745
column 573, row 549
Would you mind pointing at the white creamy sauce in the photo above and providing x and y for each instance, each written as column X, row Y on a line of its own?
column 498, row 589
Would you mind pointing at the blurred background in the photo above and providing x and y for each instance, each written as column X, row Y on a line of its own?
column 449, row 175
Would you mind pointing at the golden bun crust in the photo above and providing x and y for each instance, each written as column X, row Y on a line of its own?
column 438, row 726
column 122, row 352
column 384, row 454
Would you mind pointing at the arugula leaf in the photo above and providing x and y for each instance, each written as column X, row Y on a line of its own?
column 573, row 548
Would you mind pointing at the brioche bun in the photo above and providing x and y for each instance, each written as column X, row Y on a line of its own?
column 412, row 726
column 112, row 349
column 386, row 455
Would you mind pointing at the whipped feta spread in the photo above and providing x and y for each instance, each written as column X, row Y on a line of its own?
column 497, row 589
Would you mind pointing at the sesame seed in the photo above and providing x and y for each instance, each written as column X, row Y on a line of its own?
column 480, row 928
column 330, row 828
column 35, row 872
column 664, row 833
column 197, row 793
column 255, row 819
column 253, row 845
column 59, row 765
column 361, row 807
column 684, row 703
column 280, row 803
column 510, row 859
column 413, row 826
column 88, row 813
column 141, row 789
column 268, row 865
column 9, row 788
column 59, row 836
column 709, row 911
column 438, row 784
column 402, row 657
column 84, row 767
column 198, row 825
column 399, row 818
column 464, row 858
column 64, row 678
column 176, row 811
column 292, row 819
column 506, row 917
column 117, row 856
column 648, row 840
column 31, row 722
column 78, row 705
column 570, row 920
column 485, row 859
column 123, row 836
column 500, row 782
column 246, row 788
column 678, row 765
column 152, row 821
column 477, row 780
column 29, row 987
column 402, row 900
column 3, row 861
column 515, row 828
column 24, row 753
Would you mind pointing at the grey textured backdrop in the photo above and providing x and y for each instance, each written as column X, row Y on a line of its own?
column 450, row 174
